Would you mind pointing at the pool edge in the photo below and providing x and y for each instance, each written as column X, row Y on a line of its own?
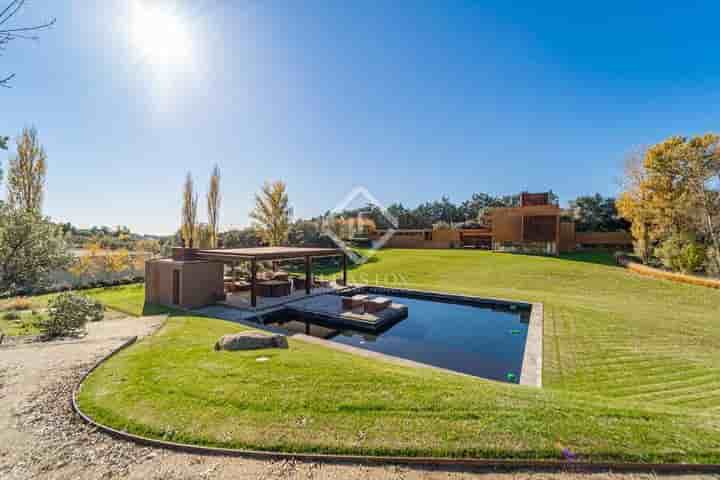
column 531, row 371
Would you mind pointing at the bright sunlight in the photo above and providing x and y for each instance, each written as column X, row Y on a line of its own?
column 159, row 34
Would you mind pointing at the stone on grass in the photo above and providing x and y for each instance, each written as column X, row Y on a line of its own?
column 250, row 341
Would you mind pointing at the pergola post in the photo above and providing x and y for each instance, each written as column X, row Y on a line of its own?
column 253, row 282
column 308, row 274
column 344, row 267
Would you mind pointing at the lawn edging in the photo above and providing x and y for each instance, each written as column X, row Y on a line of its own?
column 475, row 463
column 665, row 275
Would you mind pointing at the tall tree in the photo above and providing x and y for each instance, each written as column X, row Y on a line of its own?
column 631, row 205
column 188, row 228
column 673, row 193
column 26, row 173
column 701, row 166
column 213, row 206
column 272, row 213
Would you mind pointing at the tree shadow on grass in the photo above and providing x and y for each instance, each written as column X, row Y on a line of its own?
column 150, row 309
column 598, row 258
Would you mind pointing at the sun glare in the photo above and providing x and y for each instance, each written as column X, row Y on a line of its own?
column 158, row 34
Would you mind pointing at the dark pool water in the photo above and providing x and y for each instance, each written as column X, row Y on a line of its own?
column 482, row 341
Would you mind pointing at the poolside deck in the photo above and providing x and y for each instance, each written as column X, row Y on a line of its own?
column 242, row 300
column 329, row 307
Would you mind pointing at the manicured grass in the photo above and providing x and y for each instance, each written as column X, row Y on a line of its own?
column 631, row 372
column 128, row 299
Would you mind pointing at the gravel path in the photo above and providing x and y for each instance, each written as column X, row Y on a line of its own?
column 40, row 437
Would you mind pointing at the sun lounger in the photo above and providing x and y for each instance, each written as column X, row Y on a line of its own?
column 350, row 303
column 377, row 304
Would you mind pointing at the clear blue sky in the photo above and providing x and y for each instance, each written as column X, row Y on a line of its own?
column 412, row 100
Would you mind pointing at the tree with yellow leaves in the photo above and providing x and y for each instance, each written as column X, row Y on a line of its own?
column 213, row 207
column 673, row 191
column 188, row 228
column 117, row 261
column 272, row 213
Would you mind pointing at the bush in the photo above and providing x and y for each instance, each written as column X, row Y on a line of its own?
column 681, row 253
column 11, row 316
column 711, row 266
column 19, row 304
column 68, row 313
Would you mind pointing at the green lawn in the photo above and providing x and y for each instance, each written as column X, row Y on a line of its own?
column 119, row 301
column 128, row 299
column 631, row 372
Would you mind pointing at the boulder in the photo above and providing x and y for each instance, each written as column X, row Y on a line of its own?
column 251, row 341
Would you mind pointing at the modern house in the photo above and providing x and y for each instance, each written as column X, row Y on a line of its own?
column 535, row 226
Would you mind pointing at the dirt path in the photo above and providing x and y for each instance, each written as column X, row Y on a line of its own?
column 40, row 437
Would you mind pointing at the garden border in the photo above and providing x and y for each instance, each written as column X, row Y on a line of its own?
column 656, row 273
column 476, row 463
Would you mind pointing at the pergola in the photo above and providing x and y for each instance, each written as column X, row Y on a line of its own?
column 253, row 255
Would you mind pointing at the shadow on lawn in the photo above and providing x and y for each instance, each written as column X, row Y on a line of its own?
column 598, row 258
column 153, row 309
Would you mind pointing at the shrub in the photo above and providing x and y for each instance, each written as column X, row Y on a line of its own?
column 681, row 253
column 711, row 263
column 68, row 313
column 18, row 304
column 11, row 316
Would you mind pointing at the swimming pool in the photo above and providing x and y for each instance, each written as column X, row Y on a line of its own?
column 482, row 339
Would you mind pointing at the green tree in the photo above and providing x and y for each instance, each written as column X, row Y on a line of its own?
column 595, row 213
column 681, row 252
column 26, row 173
column 247, row 237
column 272, row 213
column 31, row 248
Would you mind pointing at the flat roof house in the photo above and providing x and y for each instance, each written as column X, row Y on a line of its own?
column 535, row 226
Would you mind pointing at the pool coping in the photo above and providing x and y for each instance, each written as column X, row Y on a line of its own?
column 530, row 371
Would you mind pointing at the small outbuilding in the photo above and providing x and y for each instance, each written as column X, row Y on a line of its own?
column 194, row 278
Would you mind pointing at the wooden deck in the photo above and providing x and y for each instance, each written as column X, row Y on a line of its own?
column 242, row 300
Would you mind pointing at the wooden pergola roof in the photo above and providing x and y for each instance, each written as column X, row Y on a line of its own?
column 266, row 253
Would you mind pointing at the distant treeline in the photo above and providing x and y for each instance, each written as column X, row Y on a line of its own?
column 114, row 238
column 590, row 213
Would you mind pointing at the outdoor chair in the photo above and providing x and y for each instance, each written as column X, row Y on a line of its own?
column 280, row 276
column 298, row 283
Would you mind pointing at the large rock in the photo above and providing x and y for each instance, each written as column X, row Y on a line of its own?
column 250, row 341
